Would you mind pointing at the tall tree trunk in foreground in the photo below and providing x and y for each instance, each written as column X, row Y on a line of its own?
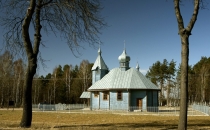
column 184, row 35
column 32, row 53
column 184, row 83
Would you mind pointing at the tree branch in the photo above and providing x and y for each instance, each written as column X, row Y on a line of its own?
column 194, row 16
column 37, row 35
column 25, row 27
column 178, row 15
column 46, row 3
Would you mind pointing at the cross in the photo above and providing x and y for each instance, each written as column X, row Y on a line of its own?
column 124, row 44
column 99, row 44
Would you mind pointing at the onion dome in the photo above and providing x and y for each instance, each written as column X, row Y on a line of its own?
column 124, row 57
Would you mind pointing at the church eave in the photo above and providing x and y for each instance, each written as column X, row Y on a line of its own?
column 117, row 89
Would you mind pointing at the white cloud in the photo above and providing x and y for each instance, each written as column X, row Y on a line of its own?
column 143, row 71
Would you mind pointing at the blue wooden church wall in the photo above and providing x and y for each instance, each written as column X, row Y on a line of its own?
column 135, row 94
column 149, row 99
column 119, row 104
column 94, row 101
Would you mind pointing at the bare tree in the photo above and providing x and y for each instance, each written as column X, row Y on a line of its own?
column 5, row 76
column 68, row 76
column 54, row 82
column 36, row 89
column 184, row 33
column 77, row 21
column 18, row 69
column 85, row 73
column 203, row 75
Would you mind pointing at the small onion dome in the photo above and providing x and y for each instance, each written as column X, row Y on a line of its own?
column 124, row 57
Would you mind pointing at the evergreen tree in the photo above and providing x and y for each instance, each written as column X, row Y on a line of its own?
column 159, row 73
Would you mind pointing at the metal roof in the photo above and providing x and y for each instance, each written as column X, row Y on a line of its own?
column 99, row 63
column 118, row 79
column 85, row 95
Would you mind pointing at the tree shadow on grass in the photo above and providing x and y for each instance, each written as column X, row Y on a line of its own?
column 177, row 111
column 124, row 126
column 121, row 126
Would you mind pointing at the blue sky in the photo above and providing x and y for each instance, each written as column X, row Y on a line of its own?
column 149, row 29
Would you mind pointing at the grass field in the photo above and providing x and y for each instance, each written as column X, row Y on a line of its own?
column 99, row 121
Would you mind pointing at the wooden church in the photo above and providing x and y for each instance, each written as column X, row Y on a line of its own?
column 120, row 88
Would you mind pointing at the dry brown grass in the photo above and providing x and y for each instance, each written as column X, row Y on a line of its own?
column 51, row 120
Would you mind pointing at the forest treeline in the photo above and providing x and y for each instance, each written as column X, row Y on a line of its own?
column 66, row 83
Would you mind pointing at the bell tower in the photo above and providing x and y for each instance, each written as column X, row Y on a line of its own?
column 99, row 69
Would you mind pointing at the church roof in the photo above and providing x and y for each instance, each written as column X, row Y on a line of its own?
column 117, row 79
column 85, row 95
column 99, row 63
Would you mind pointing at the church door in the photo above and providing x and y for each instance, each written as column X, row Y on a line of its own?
column 139, row 103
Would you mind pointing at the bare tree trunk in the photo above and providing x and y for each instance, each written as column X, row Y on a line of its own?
column 14, row 91
column 51, row 93
column 54, row 84
column 69, row 86
column 37, row 100
column 32, row 52
column 54, row 93
column 2, row 95
column 203, row 87
column 68, row 83
column 27, row 92
column 161, row 93
column 184, row 83
column 17, row 93
column 35, row 93
column 48, row 96
column 67, row 93
column 168, row 87
column 184, row 36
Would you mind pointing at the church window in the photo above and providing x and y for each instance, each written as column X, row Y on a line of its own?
column 119, row 95
column 97, row 71
column 96, row 94
column 105, row 96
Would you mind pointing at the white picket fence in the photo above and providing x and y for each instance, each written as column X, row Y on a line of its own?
column 202, row 108
column 57, row 107
column 83, row 108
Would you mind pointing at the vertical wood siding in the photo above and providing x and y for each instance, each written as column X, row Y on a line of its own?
column 94, row 101
column 119, row 104
column 104, row 104
column 135, row 94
